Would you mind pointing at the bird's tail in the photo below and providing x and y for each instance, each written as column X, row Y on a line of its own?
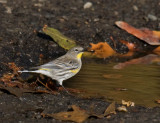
column 26, row 71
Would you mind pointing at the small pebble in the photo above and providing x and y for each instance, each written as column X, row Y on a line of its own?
column 116, row 13
column 152, row 17
column 96, row 20
column 135, row 8
column 87, row 5
column 38, row 5
column 8, row 10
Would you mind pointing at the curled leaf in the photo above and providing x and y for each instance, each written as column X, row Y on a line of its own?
column 149, row 36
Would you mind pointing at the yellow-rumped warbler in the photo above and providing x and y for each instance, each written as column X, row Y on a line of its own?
column 63, row 67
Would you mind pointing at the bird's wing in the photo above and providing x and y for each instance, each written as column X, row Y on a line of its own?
column 60, row 63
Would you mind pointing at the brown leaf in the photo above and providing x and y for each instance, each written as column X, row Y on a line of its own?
column 110, row 109
column 6, row 78
column 13, row 67
column 77, row 115
column 14, row 90
column 102, row 50
column 149, row 36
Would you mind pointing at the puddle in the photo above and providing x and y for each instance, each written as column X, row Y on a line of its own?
column 140, row 82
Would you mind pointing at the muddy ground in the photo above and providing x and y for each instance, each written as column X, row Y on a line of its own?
column 20, row 44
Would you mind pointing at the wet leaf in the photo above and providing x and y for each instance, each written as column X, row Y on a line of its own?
column 122, row 108
column 151, row 58
column 102, row 50
column 59, row 38
column 77, row 115
column 149, row 36
column 110, row 109
column 128, row 103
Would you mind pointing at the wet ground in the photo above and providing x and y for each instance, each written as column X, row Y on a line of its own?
column 20, row 44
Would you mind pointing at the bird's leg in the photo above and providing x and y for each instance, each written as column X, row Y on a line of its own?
column 61, row 83
column 65, row 89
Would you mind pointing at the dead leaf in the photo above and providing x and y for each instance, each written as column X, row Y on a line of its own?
column 77, row 115
column 110, row 109
column 102, row 50
column 128, row 103
column 122, row 108
column 59, row 38
column 14, row 90
column 6, row 78
column 151, row 58
column 14, row 67
column 149, row 36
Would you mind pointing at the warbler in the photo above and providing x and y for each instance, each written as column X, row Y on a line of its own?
column 63, row 67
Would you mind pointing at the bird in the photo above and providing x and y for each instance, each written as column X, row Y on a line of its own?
column 62, row 68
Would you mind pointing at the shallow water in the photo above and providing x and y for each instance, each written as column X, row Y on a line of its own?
column 137, row 83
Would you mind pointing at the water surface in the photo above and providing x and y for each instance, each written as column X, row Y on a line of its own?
column 140, row 82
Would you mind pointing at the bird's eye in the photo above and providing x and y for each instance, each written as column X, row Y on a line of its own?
column 76, row 50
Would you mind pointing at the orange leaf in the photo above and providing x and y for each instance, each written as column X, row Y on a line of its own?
column 102, row 50
column 149, row 36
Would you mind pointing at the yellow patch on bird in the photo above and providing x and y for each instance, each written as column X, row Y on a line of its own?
column 74, row 71
column 79, row 55
column 45, row 69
